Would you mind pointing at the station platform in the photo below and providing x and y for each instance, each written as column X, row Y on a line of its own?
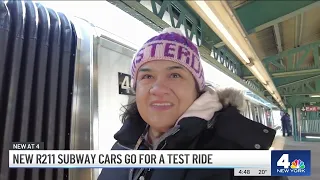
column 288, row 143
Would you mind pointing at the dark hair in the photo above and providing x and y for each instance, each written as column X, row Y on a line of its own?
column 130, row 111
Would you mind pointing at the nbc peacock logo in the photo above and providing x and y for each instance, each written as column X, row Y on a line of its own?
column 297, row 164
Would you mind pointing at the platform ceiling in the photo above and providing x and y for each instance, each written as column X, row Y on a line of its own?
column 285, row 36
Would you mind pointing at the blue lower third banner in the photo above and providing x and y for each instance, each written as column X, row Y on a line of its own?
column 291, row 163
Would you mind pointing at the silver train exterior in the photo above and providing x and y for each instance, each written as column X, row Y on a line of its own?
column 63, row 82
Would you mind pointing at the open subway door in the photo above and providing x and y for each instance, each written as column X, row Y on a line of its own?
column 37, row 61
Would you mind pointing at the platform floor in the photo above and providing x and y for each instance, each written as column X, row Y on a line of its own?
column 290, row 144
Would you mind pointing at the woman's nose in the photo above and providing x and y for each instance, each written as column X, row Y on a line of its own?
column 159, row 88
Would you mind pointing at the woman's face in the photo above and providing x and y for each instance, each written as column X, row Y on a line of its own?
column 164, row 91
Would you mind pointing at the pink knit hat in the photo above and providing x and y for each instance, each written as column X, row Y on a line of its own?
column 170, row 45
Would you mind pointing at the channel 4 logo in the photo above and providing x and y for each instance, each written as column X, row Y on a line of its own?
column 291, row 163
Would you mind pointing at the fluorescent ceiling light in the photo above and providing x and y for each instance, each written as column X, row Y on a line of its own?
column 314, row 95
column 259, row 76
column 223, row 31
column 270, row 90
column 203, row 5
column 313, row 137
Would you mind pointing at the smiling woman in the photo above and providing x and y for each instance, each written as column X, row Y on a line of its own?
column 163, row 93
column 175, row 110
column 168, row 76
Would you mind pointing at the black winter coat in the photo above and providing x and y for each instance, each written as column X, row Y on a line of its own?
column 230, row 131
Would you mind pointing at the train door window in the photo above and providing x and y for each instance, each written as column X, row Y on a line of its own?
column 263, row 114
column 257, row 114
column 252, row 112
column 254, row 117
column 249, row 111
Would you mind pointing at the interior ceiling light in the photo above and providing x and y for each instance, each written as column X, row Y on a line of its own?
column 203, row 5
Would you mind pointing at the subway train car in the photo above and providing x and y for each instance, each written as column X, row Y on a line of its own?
column 63, row 82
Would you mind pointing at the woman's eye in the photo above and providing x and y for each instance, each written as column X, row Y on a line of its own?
column 147, row 76
column 175, row 75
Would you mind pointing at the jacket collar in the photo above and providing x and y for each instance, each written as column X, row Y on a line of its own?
column 132, row 129
column 130, row 132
